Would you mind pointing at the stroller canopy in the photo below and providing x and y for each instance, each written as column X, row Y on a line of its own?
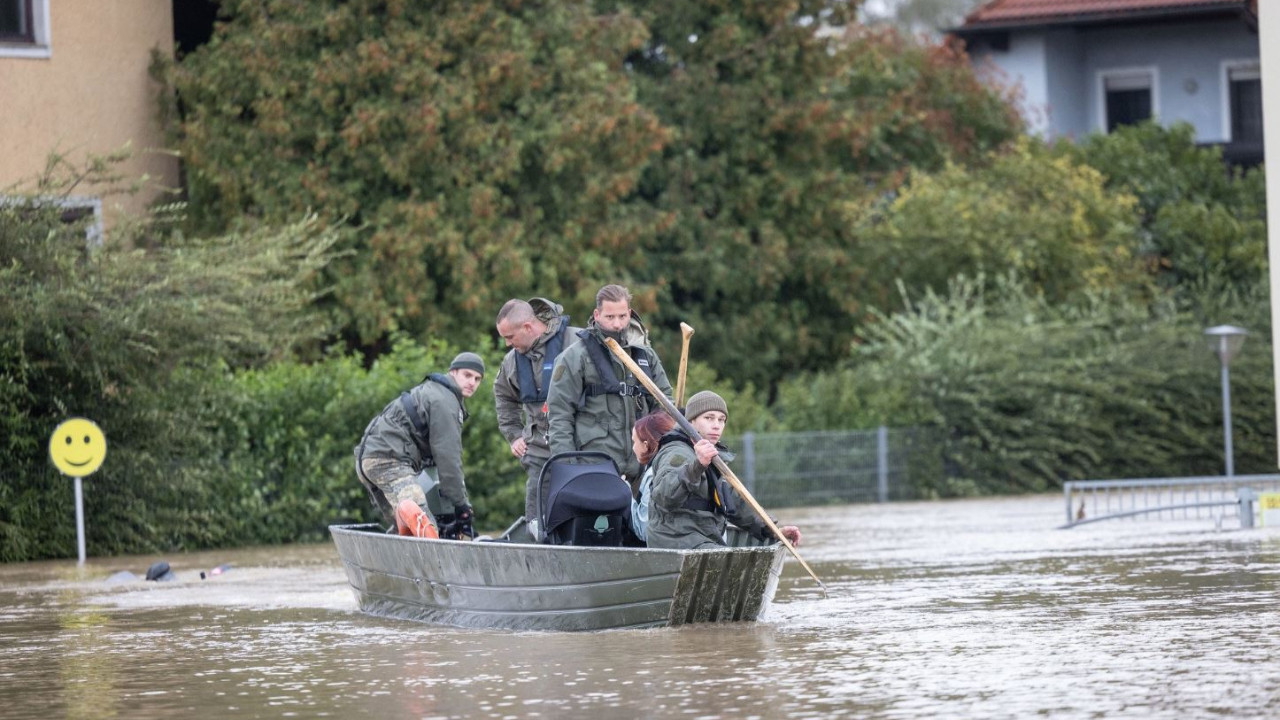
column 590, row 486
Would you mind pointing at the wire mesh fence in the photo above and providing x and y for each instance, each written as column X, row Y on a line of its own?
column 829, row 467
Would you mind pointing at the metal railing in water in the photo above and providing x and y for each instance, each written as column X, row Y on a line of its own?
column 1211, row 497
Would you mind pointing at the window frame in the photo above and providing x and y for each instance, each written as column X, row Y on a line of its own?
column 74, row 208
column 1151, row 71
column 39, row 44
column 1225, row 79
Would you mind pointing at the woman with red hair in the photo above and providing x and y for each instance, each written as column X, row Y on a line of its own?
column 644, row 441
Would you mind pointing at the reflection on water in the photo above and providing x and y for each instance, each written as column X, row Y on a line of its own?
column 956, row 609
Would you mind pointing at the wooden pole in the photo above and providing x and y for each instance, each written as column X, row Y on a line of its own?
column 721, row 465
column 686, row 332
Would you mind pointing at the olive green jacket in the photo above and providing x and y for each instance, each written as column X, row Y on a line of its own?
column 601, row 422
column 442, row 412
column 529, row 420
column 677, row 477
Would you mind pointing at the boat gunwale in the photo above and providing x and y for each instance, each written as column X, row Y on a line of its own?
column 357, row 530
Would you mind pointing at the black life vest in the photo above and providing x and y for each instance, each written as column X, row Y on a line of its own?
column 529, row 391
column 609, row 383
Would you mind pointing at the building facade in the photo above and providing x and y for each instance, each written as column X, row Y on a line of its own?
column 74, row 79
column 1085, row 66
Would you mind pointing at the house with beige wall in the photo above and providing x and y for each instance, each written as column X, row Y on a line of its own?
column 74, row 79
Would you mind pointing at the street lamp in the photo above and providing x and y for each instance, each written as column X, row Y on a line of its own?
column 1225, row 341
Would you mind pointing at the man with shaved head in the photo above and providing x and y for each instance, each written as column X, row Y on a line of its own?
column 537, row 331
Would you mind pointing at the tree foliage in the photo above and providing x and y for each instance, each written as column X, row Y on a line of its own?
column 1198, row 219
column 782, row 134
column 476, row 147
column 1049, row 220
column 709, row 155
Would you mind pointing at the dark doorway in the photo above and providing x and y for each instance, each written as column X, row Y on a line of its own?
column 193, row 23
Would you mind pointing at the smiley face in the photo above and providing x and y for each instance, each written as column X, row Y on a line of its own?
column 77, row 447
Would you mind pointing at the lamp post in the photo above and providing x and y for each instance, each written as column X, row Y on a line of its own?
column 1225, row 341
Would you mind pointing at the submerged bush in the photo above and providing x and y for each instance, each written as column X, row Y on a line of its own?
column 1024, row 395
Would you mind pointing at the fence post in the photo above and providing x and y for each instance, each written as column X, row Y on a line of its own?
column 749, row 460
column 882, row 463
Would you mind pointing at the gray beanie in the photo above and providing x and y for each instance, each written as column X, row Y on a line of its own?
column 468, row 361
column 703, row 402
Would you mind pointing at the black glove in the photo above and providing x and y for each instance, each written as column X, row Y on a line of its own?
column 460, row 526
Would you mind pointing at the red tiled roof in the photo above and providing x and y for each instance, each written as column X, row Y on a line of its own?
column 1019, row 12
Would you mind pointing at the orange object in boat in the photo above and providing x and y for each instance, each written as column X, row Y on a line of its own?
column 412, row 521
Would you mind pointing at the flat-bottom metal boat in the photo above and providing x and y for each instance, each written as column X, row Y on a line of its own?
column 553, row 587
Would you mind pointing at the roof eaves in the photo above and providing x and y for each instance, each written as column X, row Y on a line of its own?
column 1045, row 22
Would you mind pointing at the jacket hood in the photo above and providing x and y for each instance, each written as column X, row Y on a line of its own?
column 550, row 314
column 545, row 310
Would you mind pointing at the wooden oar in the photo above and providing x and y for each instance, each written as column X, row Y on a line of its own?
column 721, row 465
column 686, row 332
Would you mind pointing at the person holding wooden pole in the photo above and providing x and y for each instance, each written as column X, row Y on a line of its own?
column 692, row 503
column 783, row 536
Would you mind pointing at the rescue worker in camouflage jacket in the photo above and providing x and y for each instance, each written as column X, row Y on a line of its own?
column 691, row 503
column 537, row 332
column 594, row 401
column 420, row 433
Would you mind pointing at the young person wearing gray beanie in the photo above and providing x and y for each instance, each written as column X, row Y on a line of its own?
column 692, row 504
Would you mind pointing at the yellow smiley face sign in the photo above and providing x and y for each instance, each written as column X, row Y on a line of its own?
column 77, row 447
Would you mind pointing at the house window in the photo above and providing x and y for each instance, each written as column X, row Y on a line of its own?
column 72, row 209
column 15, row 22
column 84, row 210
column 24, row 28
column 1127, row 97
column 1244, row 102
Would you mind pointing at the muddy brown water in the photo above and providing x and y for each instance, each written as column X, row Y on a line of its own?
column 975, row 609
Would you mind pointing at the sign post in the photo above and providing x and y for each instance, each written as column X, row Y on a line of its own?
column 77, row 448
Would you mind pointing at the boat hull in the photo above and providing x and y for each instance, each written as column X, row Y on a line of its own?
column 549, row 587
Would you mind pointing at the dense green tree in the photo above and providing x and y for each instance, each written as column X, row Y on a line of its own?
column 1047, row 219
column 710, row 155
column 480, row 149
column 782, row 130
column 1199, row 220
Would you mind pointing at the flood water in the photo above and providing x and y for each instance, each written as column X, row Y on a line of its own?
column 975, row 608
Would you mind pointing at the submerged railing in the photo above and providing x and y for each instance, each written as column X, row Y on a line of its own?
column 1211, row 497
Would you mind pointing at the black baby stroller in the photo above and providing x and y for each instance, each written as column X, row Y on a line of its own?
column 582, row 500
